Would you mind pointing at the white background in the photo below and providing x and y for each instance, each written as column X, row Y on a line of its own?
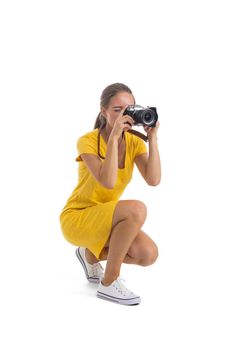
column 56, row 59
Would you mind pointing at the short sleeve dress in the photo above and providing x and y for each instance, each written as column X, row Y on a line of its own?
column 86, row 219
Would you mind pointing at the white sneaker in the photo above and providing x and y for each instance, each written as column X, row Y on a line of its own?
column 93, row 272
column 118, row 293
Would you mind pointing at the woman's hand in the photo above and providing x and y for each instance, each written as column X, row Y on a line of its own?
column 122, row 123
column 152, row 132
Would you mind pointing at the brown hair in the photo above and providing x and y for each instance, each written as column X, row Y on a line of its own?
column 109, row 92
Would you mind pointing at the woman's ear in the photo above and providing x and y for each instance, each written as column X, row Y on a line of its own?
column 103, row 112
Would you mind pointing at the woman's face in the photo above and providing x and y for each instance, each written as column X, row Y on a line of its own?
column 117, row 103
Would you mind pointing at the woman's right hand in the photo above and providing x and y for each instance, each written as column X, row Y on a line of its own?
column 121, row 124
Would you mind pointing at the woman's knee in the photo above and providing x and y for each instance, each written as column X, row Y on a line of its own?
column 129, row 209
column 132, row 209
column 149, row 255
column 138, row 211
column 143, row 249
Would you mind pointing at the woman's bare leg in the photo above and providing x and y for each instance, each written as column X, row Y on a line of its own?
column 121, row 238
column 91, row 258
column 127, row 260
column 128, row 218
column 143, row 251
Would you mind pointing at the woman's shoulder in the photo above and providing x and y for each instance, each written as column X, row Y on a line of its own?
column 86, row 143
column 89, row 136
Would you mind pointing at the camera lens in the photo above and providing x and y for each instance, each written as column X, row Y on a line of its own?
column 148, row 118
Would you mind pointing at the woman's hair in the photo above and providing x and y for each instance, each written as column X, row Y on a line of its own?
column 109, row 92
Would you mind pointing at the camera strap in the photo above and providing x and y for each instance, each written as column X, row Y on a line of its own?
column 139, row 134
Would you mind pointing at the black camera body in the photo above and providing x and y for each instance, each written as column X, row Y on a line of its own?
column 142, row 116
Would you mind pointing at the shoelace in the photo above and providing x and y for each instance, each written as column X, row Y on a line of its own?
column 123, row 290
column 96, row 270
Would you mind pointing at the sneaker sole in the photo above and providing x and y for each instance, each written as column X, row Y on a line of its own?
column 132, row 301
column 90, row 279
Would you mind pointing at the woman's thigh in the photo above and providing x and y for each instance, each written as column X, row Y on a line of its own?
column 126, row 209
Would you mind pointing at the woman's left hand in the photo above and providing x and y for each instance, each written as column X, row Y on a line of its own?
column 151, row 132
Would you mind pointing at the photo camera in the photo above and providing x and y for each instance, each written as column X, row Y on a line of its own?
column 142, row 116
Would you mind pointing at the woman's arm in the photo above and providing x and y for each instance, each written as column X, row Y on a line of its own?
column 109, row 168
column 105, row 172
column 153, row 168
column 150, row 166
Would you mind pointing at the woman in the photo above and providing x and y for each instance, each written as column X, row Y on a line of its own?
column 94, row 219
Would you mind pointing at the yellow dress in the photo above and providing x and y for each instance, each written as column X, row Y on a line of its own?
column 86, row 219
